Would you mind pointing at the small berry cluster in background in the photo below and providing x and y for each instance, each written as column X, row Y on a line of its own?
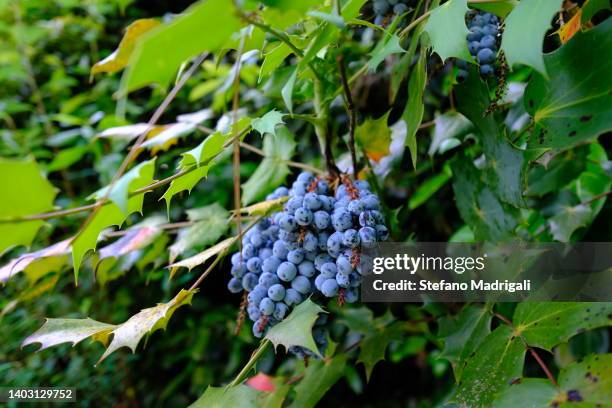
column 482, row 39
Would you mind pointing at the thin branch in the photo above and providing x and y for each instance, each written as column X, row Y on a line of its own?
column 350, row 107
column 543, row 365
column 414, row 23
column 263, row 346
column 236, row 141
column 597, row 197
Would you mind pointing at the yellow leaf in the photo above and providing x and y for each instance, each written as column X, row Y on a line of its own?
column 567, row 30
column 374, row 136
column 119, row 58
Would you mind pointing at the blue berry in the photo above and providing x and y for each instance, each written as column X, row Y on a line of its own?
column 288, row 223
column 329, row 288
column 351, row 295
column 306, row 268
column 381, row 7
column 270, row 265
column 238, row 271
column 296, row 256
column 255, row 296
column 294, row 203
column 343, row 265
column 341, row 220
column 310, row 242
column 356, row 207
column 400, row 8
column 280, row 311
column 321, row 220
column 258, row 328
column 305, row 177
column 312, row 202
column 488, row 41
column 254, row 264
column 268, row 279
column 234, row 285
column 382, row 233
column 303, row 216
column 286, row 271
column 249, row 281
column 319, row 281
column 321, row 259
column 279, row 249
column 485, row 56
column 301, row 284
column 371, row 202
column 266, row 306
column 486, row 70
column 276, row 292
column 292, row 297
column 334, row 242
column 350, row 238
column 343, row 280
column 253, row 312
column 329, row 269
column 367, row 235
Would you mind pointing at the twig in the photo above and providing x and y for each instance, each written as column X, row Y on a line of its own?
column 350, row 107
column 254, row 357
column 597, row 197
column 287, row 162
column 542, row 365
column 414, row 23
column 236, row 142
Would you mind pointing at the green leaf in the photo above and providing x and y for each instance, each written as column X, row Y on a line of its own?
column 489, row 218
column 389, row 45
column 159, row 55
column 130, row 181
column 273, row 169
column 556, row 174
column 592, row 378
column 201, row 156
column 58, row 331
column 585, row 384
column 210, row 224
column 495, row 364
column 225, row 397
column 501, row 8
column 447, row 30
column 67, row 157
column 296, row 329
column 413, row 113
column 377, row 334
column 569, row 219
column 287, row 90
column 273, row 59
column 592, row 7
column 24, row 192
column 374, row 137
column 268, row 122
column 505, row 171
column 449, row 125
column 546, row 324
column 574, row 106
column 530, row 392
column 319, row 377
column 111, row 214
column 524, row 34
column 463, row 334
column 429, row 187
column 119, row 58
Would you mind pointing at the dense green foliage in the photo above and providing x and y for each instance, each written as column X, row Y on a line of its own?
column 140, row 139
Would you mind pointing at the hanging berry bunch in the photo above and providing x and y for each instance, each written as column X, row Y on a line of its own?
column 311, row 247
column 483, row 42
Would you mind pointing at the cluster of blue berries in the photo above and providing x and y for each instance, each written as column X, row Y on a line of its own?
column 387, row 10
column 311, row 247
column 482, row 41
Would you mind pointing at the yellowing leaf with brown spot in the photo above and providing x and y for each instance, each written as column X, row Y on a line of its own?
column 374, row 137
column 567, row 30
column 119, row 58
